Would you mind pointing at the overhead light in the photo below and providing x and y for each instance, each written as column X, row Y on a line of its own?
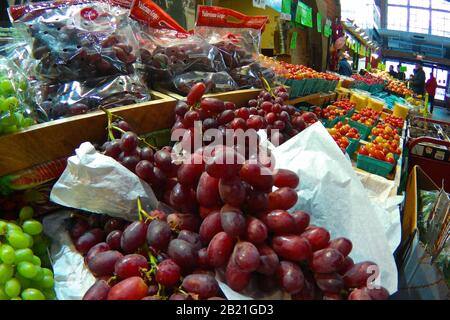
column 366, row 37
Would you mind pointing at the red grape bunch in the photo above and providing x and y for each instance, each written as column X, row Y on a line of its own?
column 229, row 215
column 141, row 260
column 268, row 111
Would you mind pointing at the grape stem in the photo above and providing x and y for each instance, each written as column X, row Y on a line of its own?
column 266, row 86
column 145, row 217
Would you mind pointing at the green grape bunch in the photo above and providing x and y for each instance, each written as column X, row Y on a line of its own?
column 25, row 272
column 14, row 114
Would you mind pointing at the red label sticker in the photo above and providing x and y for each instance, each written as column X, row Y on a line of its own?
column 89, row 14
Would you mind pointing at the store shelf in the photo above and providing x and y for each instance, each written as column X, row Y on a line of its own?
column 56, row 139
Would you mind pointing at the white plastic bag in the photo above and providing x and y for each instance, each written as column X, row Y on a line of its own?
column 97, row 183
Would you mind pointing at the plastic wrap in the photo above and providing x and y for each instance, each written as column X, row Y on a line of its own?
column 75, row 40
column 237, row 36
column 215, row 82
column 16, row 103
column 249, row 76
column 166, row 49
column 72, row 277
column 72, row 98
column 97, row 183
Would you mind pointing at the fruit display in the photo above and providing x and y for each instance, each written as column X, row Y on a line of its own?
column 366, row 116
column 83, row 55
column 24, row 263
column 345, row 104
column 377, row 151
column 268, row 112
column 382, row 75
column 332, row 112
column 14, row 114
column 345, row 130
column 58, row 101
column 368, row 79
column 78, row 41
column 341, row 141
column 227, row 218
column 239, row 43
column 294, row 71
column 396, row 122
column 200, row 197
column 389, row 146
column 399, row 88
column 385, row 131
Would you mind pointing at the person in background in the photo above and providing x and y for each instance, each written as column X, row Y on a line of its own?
column 345, row 68
column 431, row 87
column 392, row 72
column 4, row 19
column 418, row 82
column 400, row 74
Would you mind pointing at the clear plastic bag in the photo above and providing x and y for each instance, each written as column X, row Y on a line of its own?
column 166, row 49
column 249, row 76
column 73, row 98
column 75, row 40
column 236, row 35
column 215, row 82
column 16, row 103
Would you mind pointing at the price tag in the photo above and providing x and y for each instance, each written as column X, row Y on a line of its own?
column 304, row 15
column 294, row 40
column 285, row 16
column 319, row 22
column 259, row 4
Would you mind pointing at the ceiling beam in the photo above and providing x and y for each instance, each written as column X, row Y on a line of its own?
column 386, row 53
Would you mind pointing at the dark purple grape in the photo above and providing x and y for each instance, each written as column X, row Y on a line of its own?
column 233, row 221
column 113, row 239
column 129, row 141
column 183, row 253
column 191, row 237
column 113, row 224
column 98, row 291
column 103, row 263
column 99, row 247
column 290, row 277
column 89, row 239
column 144, row 170
column 133, row 237
column 147, row 154
column 159, row 235
column 246, row 256
column 205, row 286
column 113, row 149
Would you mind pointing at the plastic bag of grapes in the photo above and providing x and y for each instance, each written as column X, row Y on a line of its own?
column 237, row 36
column 249, row 76
column 78, row 97
column 14, row 113
column 215, row 82
column 166, row 49
column 78, row 39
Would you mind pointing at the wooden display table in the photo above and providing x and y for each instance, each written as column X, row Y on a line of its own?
column 56, row 139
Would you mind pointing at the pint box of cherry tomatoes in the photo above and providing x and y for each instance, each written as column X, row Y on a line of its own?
column 371, row 158
column 363, row 130
column 351, row 149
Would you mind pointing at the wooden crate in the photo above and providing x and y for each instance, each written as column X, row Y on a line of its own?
column 56, row 139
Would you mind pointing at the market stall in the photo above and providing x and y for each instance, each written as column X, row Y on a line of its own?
column 140, row 161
